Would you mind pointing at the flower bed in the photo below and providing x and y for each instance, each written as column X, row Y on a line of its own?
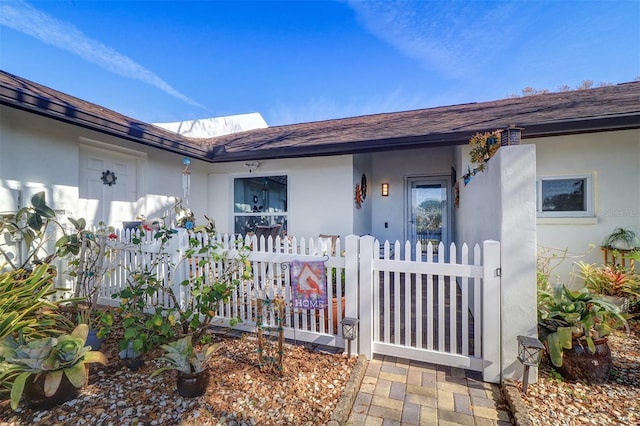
column 305, row 394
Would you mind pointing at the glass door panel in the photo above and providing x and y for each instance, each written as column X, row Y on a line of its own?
column 428, row 213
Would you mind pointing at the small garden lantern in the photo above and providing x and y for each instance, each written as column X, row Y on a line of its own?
column 349, row 331
column 529, row 353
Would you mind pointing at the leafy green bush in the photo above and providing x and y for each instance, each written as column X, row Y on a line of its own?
column 24, row 307
column 147, row 320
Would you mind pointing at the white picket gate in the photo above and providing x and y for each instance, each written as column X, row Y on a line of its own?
column 432, row 311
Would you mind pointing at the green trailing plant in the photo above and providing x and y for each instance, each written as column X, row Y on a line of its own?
column 622, row 239
column 565, row 316
column 52, row 357
column 181, row 356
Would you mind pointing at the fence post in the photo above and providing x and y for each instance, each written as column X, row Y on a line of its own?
column 491, row 332
column 365, row 337
column 351, row 283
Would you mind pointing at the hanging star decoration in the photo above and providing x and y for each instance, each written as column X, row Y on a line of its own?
column 109, row 178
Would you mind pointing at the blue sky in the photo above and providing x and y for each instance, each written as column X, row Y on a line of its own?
column 300, row 61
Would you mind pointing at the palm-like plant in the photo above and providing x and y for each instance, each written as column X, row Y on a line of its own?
column 24, row 306
column 183, row 357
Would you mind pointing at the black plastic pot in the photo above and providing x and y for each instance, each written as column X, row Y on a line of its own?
column 36, row 399
column 192, row 385
column 579, row 364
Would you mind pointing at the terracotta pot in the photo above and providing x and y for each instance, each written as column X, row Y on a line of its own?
column 578, row 364
column 36, row 399
column 334, row 309
column 194, row 384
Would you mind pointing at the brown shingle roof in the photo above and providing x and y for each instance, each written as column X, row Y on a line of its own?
column 606, row 108
column 600, row 109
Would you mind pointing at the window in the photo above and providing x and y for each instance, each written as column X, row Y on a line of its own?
column 565, row 196
column 259, row 201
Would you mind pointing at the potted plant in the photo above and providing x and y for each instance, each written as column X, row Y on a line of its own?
column 613, row 282
column 191, row 365
column 573, row 325
column 47, row 371
column 99, row 323
column 621, row 239
column 336, row 279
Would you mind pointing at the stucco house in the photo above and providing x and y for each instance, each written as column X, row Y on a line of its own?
column 327, row 177
column 571, row 176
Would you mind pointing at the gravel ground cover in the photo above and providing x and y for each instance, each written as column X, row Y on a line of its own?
column 554, row 401
column 239, row 393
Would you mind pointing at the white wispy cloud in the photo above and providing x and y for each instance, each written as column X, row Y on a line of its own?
column 453, row 38
column 23, row 17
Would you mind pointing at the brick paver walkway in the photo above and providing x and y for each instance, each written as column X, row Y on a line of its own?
column 397, row 391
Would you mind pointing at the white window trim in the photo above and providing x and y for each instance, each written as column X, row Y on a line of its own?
column 588, row 192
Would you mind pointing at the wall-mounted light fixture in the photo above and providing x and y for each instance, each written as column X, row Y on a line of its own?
column 385, row 189
column 252, row 166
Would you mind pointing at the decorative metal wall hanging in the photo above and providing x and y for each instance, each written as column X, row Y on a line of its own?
column 358, row 196
column 109, row 178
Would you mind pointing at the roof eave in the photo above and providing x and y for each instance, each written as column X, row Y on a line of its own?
column 564, row 127
column 137, row 132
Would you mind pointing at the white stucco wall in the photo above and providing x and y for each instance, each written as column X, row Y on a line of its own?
column 362, row 216
column 38, row 153
column 499, row 204
column 614, row 160
column 320, row 199
column 395, row 167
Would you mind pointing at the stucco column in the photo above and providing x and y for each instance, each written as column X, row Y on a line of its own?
column 517, row 168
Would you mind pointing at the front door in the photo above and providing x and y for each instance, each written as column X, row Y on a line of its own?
column 107, row 186
column 428, row 212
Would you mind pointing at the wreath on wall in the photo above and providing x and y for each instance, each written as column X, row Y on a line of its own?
column 358, row 196
column 109, row 178
column 483, row 147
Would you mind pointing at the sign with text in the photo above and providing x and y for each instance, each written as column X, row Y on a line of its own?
column 309, row 283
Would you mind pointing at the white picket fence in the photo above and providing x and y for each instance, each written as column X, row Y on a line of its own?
column 271, row 279
column 425, row 310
